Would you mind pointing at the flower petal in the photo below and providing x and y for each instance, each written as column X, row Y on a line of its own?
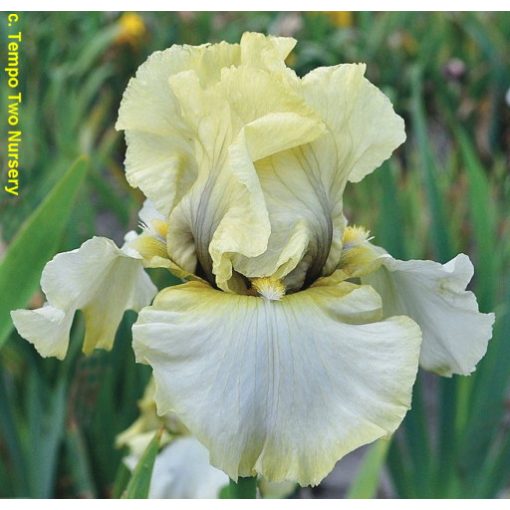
column 98, row 278
column 360, row 117
column 159, row 153
column 300, row 382
column 363, row 132
column 455, row 333
column 182, row 470
column 246, row 116
column 266, row 52
column 308, row 182
column 47, row 328
column 151, row 244
column 298, row 200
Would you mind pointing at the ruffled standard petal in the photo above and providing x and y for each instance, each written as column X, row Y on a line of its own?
column 159, row 157
column 300, row 382
column 224, row 216
column 266, row 52
column 364, row 126
column 455, row 333
column 363, row 131
column 98, row 278
column 308, row 181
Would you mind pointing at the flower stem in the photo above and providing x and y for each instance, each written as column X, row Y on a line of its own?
column 245, row 488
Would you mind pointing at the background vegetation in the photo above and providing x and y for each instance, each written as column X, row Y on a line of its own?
column 445, row 191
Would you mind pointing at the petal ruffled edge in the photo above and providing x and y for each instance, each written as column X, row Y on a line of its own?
column 100, row 279
column 455, row 333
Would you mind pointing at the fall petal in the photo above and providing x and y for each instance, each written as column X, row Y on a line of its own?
column 98, row 278
column 300, row 382
column 455, row 333
column 47, row 328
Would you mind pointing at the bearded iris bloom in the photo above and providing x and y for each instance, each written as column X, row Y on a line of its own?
column 295, row 339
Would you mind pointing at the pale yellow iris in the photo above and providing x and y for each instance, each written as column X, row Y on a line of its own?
column 295, row 340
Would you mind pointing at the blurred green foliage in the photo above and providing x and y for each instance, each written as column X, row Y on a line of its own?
column 446, row 190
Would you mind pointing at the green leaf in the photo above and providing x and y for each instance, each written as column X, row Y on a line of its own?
column 400, row 471
column 443, row 248
column 224, row 492
column 488, row 402
column 121, row 480
column 244, row 488
column 391, row 213
column 36, row 242
column 139, row 485
column 439, row 223
column 367, row 479
column 498, row 471
column 418, row 441
column 78, row 462
column 46, row 412
column 482, row 217
column 10, row 432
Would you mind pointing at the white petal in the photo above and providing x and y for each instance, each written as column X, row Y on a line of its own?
column 98, row 278
column 148, row 213
column 455, row 333
column 47, row 328
column 182, row 470
column 279, row 388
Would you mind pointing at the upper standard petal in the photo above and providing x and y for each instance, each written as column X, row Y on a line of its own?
column 248, row 161
column 246, row 116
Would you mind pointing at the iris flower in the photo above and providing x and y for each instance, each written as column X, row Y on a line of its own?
column 295, row 339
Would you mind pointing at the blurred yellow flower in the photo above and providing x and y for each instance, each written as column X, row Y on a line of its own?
column 131, row 29
column 343, row 19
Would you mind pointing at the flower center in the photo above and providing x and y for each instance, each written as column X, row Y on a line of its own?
column 269, row 288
